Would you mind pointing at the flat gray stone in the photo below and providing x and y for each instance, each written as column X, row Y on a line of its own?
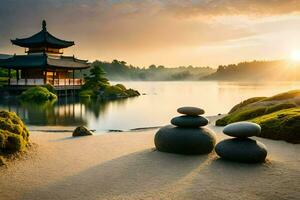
column 178, row 140
column 242, row 150
column 189, row 121
column 242, row 129
column 192, row 111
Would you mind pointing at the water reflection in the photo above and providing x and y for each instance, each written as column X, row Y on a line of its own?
column 154, row 109
column 63, row 112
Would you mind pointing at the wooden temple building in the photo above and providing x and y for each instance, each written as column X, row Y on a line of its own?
column 44, row 63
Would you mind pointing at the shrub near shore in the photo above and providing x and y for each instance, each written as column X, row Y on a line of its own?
column 279, row 115
column 38, row 94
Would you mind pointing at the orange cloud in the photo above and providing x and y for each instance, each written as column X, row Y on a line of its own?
column 169, row 32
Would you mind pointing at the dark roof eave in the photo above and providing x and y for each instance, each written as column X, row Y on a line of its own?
column 42, row 61
column 42, row 39
column 33, row 45
column 44, row 67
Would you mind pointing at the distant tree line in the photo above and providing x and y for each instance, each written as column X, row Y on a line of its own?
column 254, row 70
column 257, row 70
column 120, row 70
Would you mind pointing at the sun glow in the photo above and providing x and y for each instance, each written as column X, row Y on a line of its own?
column 295, row 56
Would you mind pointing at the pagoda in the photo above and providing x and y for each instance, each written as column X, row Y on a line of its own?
column 44, row 63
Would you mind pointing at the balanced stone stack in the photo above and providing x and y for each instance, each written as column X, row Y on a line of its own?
column 187, row 134
column 241, row 148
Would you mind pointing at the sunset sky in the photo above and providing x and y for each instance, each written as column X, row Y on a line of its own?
column 166, row 32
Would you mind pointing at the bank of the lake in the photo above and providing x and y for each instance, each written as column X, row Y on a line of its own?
column 62, row 167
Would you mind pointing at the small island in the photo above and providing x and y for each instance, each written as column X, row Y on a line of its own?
column 97, row 86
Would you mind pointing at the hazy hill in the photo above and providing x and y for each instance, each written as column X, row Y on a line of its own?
column 4, row 56
column 257, row 70
column 120, row 70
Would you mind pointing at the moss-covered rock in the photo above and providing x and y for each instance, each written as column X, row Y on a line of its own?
column 15, row 142
column 114, row 91
column 250, row 113
column 245, row 103
column 37, row 95
column 278, row 115
column 121, row 86
column 283, row 96
column 81, row 131
column 132, row 93
column 292, row 96
column 280, row 125
column 118, row 91
column 14, row 136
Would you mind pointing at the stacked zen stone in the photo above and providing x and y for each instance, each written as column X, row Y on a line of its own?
column 186, row 135
column 241, row 148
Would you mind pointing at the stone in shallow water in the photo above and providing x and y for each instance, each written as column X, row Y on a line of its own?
column 192, row 111
column 189, row 121
column 178, row 140
column 242, row 150
column 242, row 129
column 81, row 131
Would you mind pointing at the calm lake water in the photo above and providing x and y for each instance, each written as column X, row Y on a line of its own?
column 156, row 108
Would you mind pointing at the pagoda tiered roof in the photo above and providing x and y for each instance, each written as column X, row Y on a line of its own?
column 43, row 39
column 43, row 61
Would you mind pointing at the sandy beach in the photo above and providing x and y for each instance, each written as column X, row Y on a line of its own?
column 126, row 166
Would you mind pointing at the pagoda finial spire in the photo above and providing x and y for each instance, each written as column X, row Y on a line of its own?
column 44, row 25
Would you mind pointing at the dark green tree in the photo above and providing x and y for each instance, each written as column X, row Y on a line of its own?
column 152, row 67
column 96, row 80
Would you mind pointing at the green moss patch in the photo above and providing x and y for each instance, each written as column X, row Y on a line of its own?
column 38, row 95
column 114, row 92
column 283, row 96
column 118, row 91
column 250, row 113
column 281, row 125
column 275, row 114
column 14, row 136
column 245, row 103
column 121, row 86
column 132, row 93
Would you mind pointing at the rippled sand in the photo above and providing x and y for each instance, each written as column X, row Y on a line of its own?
column 125, row 166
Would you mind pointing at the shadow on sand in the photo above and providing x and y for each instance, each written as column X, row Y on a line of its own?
column 231, row 180
column 139, row 172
